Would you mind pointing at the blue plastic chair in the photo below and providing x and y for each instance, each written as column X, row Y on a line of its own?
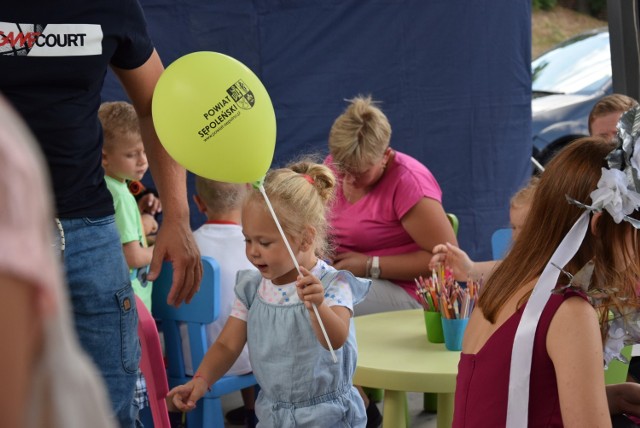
column 203, row 309
column 500, row 242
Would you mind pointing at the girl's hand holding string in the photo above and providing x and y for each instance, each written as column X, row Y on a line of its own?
column 335, row 318
column 310, row 289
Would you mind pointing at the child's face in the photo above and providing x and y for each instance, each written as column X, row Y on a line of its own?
column 126, row 159
column 517, row 216
column 265, row 248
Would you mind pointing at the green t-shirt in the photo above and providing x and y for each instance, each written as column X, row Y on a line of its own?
column 129, row 225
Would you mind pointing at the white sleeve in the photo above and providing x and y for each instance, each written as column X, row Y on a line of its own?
column 239, row 310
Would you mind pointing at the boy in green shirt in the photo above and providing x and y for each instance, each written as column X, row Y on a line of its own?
column 124, row 159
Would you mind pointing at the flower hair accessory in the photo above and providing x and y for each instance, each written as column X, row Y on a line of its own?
column 618, row 190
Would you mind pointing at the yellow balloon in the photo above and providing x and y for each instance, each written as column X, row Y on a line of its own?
column 215, row 118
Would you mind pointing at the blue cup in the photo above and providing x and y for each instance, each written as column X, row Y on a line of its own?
column 453, row 330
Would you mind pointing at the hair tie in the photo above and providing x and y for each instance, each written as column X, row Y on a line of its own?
column 308, row 178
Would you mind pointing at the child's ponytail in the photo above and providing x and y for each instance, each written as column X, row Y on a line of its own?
column 320, row 176
column 300, row 195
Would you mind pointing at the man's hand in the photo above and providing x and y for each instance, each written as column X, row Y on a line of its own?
column 175, row 243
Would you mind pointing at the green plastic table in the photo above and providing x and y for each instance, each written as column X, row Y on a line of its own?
column 394, row 355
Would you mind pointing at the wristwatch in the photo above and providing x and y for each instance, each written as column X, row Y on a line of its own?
column 375, row 267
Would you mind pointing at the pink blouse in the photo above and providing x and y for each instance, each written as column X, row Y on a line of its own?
column 373, row 225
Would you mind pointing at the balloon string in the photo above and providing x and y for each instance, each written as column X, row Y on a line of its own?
column 295, row 262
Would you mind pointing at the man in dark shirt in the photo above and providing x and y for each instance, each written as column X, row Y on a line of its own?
column 53, row 59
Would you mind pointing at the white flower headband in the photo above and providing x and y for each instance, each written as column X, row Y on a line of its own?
column 618, row 190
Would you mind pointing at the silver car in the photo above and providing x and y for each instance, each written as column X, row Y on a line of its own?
column 566, row 82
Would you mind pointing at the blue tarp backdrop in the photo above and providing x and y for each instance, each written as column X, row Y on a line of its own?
column 453, row 77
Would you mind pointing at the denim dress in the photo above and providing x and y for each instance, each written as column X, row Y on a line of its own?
column 300, row 384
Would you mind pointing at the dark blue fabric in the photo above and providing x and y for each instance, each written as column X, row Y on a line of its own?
column 453, row 77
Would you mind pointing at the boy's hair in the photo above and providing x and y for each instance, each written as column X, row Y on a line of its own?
column 574, row 172
column 220, row 197
column 118, row 118
column 525, row 194
column 614, row 103
column 300, row 195
column 360, row 135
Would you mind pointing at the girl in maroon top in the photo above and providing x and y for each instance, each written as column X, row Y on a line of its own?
column 567, row 377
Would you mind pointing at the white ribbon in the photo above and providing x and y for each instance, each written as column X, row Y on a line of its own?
column 522, row 352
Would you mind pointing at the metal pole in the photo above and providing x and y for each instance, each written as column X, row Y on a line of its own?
column 625, row 47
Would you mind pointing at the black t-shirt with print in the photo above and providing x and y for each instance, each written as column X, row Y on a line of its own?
column 54, row 56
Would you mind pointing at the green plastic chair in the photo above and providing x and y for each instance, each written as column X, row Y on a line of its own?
column 454, row 222
column 617, row 370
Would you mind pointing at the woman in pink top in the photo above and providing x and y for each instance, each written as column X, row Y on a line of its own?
column 567, row 378
column 388, row 212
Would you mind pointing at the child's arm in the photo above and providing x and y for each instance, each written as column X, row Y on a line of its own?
column 149, row 224
column 458, row 260
column 137, row 255
column 335, row 318
column 216, row 362
column 624, row 398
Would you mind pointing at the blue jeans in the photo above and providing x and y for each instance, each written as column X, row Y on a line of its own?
column 104, row 307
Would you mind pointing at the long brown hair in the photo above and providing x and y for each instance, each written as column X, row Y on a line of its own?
column 573, row 172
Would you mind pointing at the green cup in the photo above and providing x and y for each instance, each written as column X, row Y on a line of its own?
column 434, row 327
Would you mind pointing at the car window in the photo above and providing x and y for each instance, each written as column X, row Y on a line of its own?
column 581, row 65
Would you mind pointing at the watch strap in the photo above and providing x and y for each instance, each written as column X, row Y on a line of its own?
column 375, row 267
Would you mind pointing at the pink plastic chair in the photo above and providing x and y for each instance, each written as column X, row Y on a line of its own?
column 152, row 366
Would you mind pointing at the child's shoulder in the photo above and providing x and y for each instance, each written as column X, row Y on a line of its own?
column 331, row 277
column 247, row 283
column 248, row 277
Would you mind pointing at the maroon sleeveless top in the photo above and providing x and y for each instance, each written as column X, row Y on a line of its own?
column 482, row 385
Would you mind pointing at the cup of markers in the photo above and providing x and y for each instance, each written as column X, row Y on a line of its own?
column 453, row 302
